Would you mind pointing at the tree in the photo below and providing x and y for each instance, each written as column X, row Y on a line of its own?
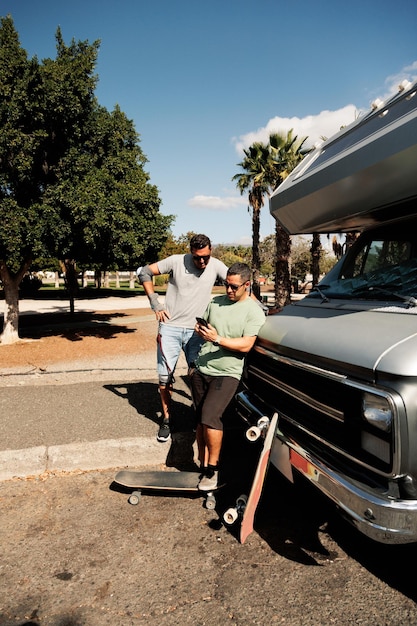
column 104, row 195
column 267, row 254
column 266, row 166
column 72, row 184
column 286, row 152
column 233, row 254
column 316, row 252
column 300, row 259
column 181, row 245
column 257, row 181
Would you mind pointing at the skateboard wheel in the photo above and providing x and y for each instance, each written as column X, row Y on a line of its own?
column 230, row 516
column 263, row 422
column 210, row 503
column 134, row 497
column 253, row 433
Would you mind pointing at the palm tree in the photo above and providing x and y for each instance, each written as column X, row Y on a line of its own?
column 285, row 153
column 255, row 179
column 266, row 166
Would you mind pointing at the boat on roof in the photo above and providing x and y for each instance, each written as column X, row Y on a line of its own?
column 359, row 177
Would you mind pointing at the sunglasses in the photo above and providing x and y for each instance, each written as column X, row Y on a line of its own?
column 232, row 287
column 204, row 257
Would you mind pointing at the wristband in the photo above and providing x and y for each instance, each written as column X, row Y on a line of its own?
column 155, row 304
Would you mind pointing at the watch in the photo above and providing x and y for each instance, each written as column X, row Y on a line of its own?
column 217, row 342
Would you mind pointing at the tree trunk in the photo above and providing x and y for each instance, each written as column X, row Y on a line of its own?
column 282, row 271
column 316, row 250
column 71, row 282
column 256, row 261
column 10, row 332
column 11, row 284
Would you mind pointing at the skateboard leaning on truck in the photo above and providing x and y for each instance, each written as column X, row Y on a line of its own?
column 170, row 482
column 246, row 506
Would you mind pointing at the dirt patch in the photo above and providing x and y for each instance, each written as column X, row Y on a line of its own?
column 49, row 338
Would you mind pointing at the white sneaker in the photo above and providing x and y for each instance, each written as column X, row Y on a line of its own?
column 209, row 483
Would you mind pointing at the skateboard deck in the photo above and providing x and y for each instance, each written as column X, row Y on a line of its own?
column 169, row 481
column 246, row 506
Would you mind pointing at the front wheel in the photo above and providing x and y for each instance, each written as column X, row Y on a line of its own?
column 134, row 497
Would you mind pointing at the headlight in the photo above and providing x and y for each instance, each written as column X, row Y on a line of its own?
column 377, row 411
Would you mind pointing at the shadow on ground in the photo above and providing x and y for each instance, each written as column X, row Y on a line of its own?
column 72, row 327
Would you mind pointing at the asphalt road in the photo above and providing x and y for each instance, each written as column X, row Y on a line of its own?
column 74, row 552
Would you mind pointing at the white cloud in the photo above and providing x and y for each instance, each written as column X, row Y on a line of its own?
column 325, row 124
column 392, row 82
column 314, row 127
column 215, row 203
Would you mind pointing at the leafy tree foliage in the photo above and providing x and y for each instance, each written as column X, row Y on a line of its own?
column 181, row 245
column 72, row 179
column 267, row 254
column 233, row 254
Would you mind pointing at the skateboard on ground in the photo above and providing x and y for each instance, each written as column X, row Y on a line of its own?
column 246, row 506
column 169, row 481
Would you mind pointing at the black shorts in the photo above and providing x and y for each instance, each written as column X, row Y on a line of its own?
column 211, row 397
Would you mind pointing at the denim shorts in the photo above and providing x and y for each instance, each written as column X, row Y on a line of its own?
column 171, row 340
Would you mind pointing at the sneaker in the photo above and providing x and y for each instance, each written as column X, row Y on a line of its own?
column 164, row 432
column 209, row 481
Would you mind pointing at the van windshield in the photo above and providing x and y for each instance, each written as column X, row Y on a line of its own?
column 378, row 269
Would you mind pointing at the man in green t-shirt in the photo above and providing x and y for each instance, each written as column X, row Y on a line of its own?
column 234, row 320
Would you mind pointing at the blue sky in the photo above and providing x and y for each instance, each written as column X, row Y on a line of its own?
column 202, row 80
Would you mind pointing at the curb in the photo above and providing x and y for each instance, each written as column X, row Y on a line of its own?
column 98, row 455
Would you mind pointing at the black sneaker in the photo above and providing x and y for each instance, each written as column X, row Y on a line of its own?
column 164, row 432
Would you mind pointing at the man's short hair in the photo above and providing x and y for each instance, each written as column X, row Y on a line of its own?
column 240, row 269
column 198, row 242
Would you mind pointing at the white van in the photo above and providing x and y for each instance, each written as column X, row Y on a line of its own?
column 340, row 365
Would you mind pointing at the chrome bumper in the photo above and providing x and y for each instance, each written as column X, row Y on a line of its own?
column 375, row 514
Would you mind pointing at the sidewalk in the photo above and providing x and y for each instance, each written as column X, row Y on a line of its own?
column 95, row 414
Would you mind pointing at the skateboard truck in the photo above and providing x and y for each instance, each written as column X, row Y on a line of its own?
column 210, row 498
column 254, row 432
column 245, row 507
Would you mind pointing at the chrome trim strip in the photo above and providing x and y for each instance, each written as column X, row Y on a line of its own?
column 300, row 396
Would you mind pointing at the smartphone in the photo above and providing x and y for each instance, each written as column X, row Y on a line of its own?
column 201, row 321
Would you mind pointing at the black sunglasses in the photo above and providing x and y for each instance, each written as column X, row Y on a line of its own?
column 204, row 257
column 232, row 287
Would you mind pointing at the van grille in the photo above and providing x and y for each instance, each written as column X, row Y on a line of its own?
column 320, row 410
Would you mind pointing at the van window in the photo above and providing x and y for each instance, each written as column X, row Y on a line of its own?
column 381, row 254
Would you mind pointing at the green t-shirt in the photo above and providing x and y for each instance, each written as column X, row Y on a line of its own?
column 231, row 319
